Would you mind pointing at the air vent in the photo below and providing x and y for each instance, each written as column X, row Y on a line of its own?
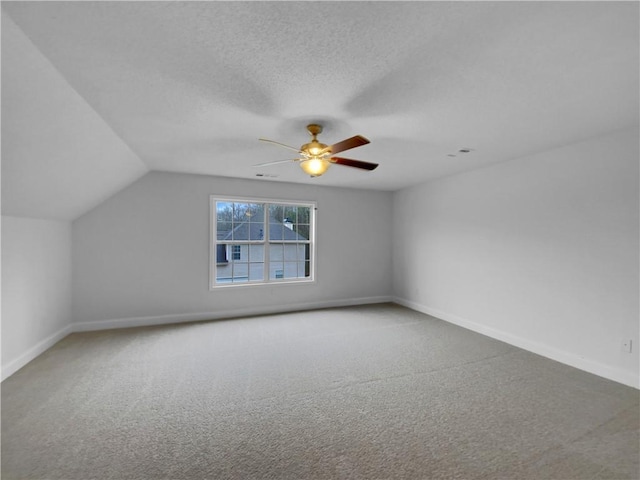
column 460, row 151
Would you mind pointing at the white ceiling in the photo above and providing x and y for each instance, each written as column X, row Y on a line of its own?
column 97, row 93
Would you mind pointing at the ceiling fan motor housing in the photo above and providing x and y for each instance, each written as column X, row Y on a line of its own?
column 314, row 147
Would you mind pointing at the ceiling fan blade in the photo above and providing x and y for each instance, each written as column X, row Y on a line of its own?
column 281, row 144
column 275, row 163
column 347, row 144
column 347, row 162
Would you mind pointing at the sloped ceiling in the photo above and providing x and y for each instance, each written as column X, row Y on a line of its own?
column 59, row 158
column 112, row 89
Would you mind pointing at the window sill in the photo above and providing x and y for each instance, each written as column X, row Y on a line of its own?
column 261, row 284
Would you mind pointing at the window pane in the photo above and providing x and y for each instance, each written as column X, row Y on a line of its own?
column 257, row 222
column 241, row 212
column 288, row 224
column 303, row 232
column 256, row 231
column 224, row 210
column 224, row 219
column 302, row 252
column 276, row 270
column 255, row 213
column 301, row 270
column 290, row 270
column 276, row 213
column 223, row 273
column 276, row 231
column 290, row 214
column 240, row 231
column 290, row 251
column 304, row 215
column 276, row 217
column 256, row 253
column 276, row 252
column 256, row 272
column 240, row 272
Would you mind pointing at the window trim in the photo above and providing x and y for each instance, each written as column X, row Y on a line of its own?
column 267, row 281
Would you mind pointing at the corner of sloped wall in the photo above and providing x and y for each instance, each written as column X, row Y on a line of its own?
column 36, row 288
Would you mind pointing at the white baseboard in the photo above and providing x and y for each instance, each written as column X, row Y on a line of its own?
column 606, row 371
column 17, row 363
column 611, row 373
column 222, row 314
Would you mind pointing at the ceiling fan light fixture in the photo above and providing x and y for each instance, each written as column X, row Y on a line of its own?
column 316, row 157
column 313, row 149
column 315, row 166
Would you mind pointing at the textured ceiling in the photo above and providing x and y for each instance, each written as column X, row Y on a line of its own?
column 191, row 86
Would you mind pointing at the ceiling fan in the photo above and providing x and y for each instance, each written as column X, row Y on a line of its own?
column 316, row 158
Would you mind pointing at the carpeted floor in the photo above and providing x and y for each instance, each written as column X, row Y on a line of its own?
column 369, row 392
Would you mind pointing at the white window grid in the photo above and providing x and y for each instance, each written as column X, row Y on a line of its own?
column 277, row 266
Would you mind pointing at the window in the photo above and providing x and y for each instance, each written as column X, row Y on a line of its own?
column 259, row 241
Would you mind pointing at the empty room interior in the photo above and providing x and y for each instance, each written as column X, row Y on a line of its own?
column 308, row 240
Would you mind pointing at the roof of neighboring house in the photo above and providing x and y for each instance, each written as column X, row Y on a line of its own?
column 254, row 230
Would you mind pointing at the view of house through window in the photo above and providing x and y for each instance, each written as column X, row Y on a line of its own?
column 261, row 241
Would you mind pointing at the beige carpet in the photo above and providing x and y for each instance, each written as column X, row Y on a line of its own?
column 364, row 392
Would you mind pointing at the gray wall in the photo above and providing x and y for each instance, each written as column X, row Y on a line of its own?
column 541, row 252
column 36, row 288
column 145, row 252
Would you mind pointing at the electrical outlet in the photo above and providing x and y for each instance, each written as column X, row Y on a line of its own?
column 627, row 346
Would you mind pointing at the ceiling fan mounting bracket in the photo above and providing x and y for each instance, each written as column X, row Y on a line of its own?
column 314, row 129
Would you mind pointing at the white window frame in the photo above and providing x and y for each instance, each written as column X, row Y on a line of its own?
column 267, row 280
